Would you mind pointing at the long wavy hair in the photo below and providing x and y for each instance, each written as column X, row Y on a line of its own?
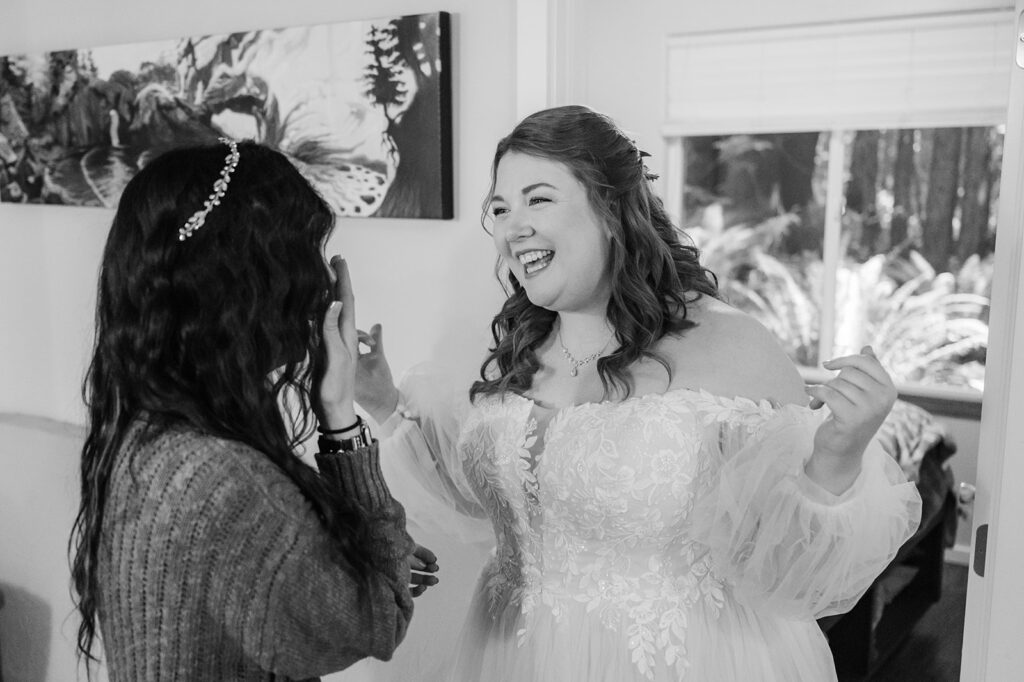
column 654, row 275
column 218, row 333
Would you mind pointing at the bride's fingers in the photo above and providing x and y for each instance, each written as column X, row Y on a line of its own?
column 377, row 332
column 837, row 396
column 854, row 376
column 868, row 364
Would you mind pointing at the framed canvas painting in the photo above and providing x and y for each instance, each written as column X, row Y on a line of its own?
column 362, row 108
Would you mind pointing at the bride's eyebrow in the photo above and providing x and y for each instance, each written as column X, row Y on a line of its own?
column 526, row 190
column 530, row 188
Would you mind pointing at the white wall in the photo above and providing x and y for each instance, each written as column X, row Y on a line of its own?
column 37, row 506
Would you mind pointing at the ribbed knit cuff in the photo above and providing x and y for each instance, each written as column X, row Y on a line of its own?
column 357, row 475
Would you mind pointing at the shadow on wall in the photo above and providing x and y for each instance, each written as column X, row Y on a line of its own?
column 24, row 635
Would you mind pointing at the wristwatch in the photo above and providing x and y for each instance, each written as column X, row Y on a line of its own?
column 361, row 439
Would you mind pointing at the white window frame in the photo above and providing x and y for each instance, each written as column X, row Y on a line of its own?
column 938, row 112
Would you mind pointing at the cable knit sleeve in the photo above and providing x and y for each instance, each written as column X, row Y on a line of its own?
column 298, row 606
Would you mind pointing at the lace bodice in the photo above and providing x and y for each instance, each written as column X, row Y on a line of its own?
column 652, row 516
column 602, row 514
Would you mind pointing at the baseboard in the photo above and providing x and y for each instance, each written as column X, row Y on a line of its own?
column 959, row 554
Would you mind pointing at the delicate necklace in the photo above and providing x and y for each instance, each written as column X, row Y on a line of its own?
column 574, row 364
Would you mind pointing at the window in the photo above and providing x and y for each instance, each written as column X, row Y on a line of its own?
column 909, row 262
column 843, row 180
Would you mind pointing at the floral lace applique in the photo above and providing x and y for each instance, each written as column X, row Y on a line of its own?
column 498, row 463
column 601, row 517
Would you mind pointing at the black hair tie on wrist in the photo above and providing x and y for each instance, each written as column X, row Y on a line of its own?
column 333, row 432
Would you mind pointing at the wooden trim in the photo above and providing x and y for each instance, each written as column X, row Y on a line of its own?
column 945, row 407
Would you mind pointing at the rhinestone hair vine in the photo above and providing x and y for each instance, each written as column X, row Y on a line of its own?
column 219, row 188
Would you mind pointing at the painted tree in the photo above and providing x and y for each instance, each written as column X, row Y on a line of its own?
column 421, row 134
column 383, row 78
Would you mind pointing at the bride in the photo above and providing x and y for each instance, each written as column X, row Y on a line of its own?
column 667, row 499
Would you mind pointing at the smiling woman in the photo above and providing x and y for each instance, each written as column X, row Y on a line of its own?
column 662, row 499
column 548, row 235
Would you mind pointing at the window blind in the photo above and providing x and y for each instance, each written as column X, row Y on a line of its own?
column 941, row 70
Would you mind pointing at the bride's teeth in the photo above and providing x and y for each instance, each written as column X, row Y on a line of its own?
column 532, row 256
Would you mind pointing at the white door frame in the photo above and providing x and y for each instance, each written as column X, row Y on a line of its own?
column 546, row 68
column 993, row 648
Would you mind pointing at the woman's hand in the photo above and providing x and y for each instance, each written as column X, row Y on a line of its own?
column 375, row 388
column 859, row 398
column 423, row 563
column 335, row 384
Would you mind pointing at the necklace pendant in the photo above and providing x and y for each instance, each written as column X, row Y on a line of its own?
column 572, row 371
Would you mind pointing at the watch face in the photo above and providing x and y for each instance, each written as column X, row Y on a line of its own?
column 361, row 440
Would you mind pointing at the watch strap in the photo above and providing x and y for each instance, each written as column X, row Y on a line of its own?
column 361, row 439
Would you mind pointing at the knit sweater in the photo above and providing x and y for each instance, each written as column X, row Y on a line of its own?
column 213, row 566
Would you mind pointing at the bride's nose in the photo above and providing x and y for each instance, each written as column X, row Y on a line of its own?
column 517, row 226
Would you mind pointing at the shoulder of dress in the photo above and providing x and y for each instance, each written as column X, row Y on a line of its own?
column 738, row 411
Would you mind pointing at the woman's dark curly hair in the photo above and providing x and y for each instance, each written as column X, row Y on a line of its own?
column 652, row 272
column 216, row 333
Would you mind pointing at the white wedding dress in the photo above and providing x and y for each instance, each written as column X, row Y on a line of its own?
column 664, row 537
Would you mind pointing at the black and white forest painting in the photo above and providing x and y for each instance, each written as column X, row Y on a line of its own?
column 362, row 108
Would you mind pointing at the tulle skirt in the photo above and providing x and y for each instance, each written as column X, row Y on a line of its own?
column 734, row 644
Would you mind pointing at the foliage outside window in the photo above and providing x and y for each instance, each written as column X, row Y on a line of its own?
column 913, row 236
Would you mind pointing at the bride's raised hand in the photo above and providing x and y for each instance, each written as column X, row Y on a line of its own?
column 859, row 398
column 375, row 387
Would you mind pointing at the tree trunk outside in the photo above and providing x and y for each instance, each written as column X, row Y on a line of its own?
column 796, row 168
column 974, row 211
column 862, row 189
column 940, row 203
column 904, row 176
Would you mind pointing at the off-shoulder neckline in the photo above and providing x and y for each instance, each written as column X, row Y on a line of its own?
column 764, row 404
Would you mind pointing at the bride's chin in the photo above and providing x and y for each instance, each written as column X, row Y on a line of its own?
column 538, row 299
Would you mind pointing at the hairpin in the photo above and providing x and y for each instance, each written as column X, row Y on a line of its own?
column 219, row 188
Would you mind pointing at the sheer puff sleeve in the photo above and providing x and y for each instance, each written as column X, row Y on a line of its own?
column 783, row 542
column 421, row 460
